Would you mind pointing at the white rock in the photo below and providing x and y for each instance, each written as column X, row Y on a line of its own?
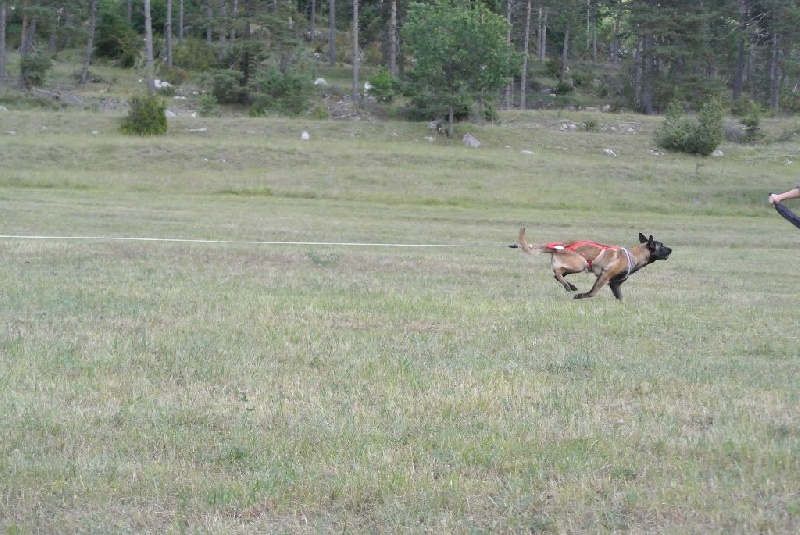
column 305, row 136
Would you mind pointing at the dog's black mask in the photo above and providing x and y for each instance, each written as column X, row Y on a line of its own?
column 658, row 251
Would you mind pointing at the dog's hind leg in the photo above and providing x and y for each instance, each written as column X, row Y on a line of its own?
column 565, row 263
column 559, row 276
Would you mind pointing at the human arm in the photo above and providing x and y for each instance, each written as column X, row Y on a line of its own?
column 780, row 197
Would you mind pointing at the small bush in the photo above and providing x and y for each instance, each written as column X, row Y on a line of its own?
column 744, row 106
column 275, row 91
column 147, row 117
column 383, row 87
column 114, row 38
column 34, row 68
column 681, row 133
column 752, row 127
column 563, row 88
column 489, row 113
column 209, row 106
column 194, row 55
column 226, row 85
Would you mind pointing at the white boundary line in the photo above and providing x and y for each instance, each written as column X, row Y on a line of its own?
column 245, row 242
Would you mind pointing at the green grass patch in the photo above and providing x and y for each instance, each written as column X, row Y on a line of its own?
column 238, row 386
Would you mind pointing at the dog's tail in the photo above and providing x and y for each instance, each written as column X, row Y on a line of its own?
column 524, row 245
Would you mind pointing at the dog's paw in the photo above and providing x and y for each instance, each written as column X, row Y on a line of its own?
column 580, row 296
column 572, row 288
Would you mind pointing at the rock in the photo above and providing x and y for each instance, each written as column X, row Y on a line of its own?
column 610, row 152
column 304, row 136
column 470, row 141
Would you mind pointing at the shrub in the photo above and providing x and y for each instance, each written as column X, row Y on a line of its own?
column 114, row 39
column 744, row 106
column 429, row 107
column 209, row 106
column 563, row 88
column 34, row 68
column 382, row 86
column 193, row 54
column 226, row 85
column 752, row 127
column 147, row 117
column 681, row 133
column 489, row 113
column 275, row 91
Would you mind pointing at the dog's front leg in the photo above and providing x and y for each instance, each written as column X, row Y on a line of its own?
column 601, row 281
column 615, row 288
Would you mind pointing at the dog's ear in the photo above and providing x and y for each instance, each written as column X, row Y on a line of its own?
column 642, row 239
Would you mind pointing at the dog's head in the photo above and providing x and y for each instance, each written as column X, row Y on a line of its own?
column 658, row 251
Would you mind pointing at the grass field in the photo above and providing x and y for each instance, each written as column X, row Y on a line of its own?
column 237, row 386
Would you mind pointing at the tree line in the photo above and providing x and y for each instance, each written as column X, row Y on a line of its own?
column 642, row 54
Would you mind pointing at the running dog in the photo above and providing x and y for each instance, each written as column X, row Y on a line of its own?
column 611, row 264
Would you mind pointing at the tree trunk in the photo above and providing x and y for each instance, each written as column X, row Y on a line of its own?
column 223, row 31
column 451, row 117
column 738, row 70
column 774, row 73
column 87, row 57
column 3, row 23
column 52, row 44
column 168, row 32
column 313, row 22
column 180, row 21
column 393, row 40
column 26, row 46
column 523, row 84
column 210, row 21
column 233, row 21
column 148, row 40
column 638, row 69
column 594, row 33
column 565, row 53
column 355, row 50
column 27, row 34
column 615, row 42
column 509, row 88
column 542, row 34
column 129, row 12
column 332, row 35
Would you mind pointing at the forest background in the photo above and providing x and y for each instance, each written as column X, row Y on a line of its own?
column 264, row 55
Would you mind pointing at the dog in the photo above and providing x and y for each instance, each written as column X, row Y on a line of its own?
column 611, row 264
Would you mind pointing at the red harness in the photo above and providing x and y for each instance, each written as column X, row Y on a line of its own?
column 574, row 245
